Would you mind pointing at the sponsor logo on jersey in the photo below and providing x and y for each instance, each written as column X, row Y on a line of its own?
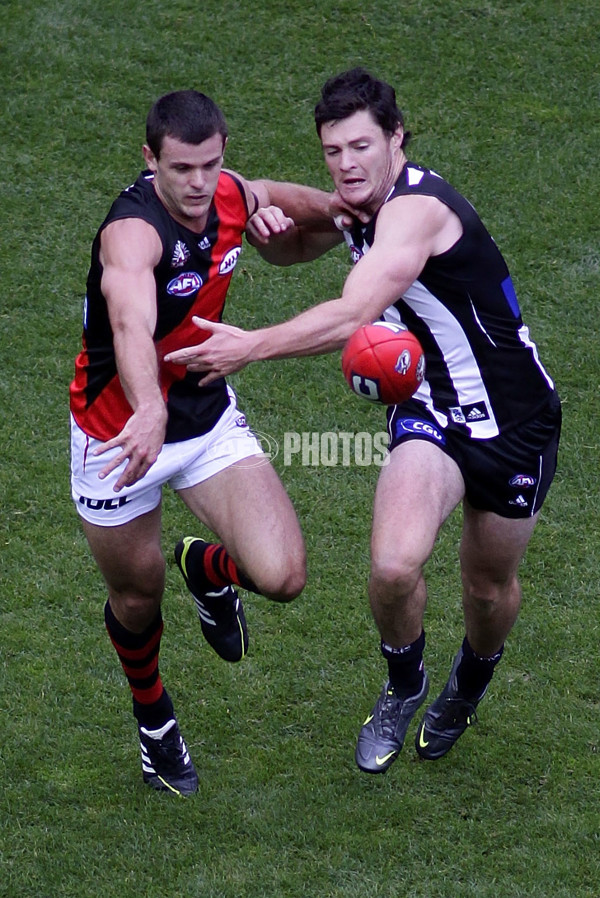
column 240, row 421
column 204, row 243
column 477, row 414
column 522, row 480
column 180, row 254
column 184, row 284
column 465, row 414
column 229, row 259
column 423, row 428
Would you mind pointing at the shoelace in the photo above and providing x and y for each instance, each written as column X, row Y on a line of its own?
column 167, row 751
column 388, row 715
column 458, row 710
column 217, row 610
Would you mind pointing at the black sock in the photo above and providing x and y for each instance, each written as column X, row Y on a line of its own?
column 138, row 654
column 405, row 666
column 474, row 672
column 210, row 567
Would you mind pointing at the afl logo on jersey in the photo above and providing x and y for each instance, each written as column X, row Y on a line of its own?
column 229, row 259
column 185, row 284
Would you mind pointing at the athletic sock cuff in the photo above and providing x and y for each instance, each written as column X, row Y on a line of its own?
column 469, row 653
column 127, row 638
column 396, row 653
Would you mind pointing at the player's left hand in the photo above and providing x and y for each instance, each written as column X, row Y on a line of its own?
column 345, row 215
column 225, row 351
column 267, row 221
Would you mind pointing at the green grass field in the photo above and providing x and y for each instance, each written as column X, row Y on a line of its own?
column 502, row 98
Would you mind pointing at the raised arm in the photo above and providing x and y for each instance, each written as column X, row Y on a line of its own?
column 130, row 249
column 294, row 223
column 409, row 230
column 400, row 250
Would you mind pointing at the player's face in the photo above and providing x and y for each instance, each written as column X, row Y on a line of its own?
column 362, row 159
column 186, row 176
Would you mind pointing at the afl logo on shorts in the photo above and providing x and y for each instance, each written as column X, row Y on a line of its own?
column 522, row 480
column 185, row 284
column 229, row 259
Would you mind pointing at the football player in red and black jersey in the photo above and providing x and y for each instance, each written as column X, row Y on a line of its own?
column 164, row 254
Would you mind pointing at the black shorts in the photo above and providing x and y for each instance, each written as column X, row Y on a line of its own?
column 510, row 474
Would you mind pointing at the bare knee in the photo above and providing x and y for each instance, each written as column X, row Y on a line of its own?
column 484, row 596
column 285, row 582
column 393, row 577
column 136, row 593
column 487, row 588
column 135, row 612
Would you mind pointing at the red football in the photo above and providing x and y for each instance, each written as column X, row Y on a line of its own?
column 383, row 362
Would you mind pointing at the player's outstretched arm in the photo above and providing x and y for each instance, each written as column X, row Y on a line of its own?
column 408, row 231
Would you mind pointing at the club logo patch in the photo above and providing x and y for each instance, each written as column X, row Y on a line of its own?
column 185, row 284
column 180, row 255
column 456, row 413
column 465, row 414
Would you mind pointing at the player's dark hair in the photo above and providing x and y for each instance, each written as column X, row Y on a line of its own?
column 353, row 91
column 186, row 115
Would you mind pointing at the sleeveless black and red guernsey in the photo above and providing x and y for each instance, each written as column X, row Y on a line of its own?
column 192, row 278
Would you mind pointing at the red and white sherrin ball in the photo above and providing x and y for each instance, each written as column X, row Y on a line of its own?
column 383, row 362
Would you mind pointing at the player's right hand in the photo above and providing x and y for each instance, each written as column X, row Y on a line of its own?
column 140, row 442
column 267, row 221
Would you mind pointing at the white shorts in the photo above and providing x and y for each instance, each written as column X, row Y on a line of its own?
column 180, row 465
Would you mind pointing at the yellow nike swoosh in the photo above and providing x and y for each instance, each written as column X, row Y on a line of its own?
column 187, row 542
column 368, row 720
column 379, row 761
column 422, row 742
column 168, row 785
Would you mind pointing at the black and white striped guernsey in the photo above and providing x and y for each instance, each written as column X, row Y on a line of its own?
column 483, row 374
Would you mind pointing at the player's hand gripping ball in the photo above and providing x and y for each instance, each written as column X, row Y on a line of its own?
column 383, row 362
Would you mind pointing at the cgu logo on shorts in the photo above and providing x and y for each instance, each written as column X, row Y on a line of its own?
column 423, row 428
column 104, row 504
column 185, row 284
column 229, row 259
